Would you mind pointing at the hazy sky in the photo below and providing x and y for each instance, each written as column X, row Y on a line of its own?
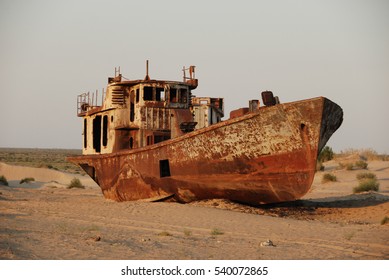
column 51, row 51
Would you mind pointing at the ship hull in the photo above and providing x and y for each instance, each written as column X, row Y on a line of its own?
column 264, row 157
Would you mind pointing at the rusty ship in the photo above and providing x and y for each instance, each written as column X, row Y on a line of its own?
column 154, row 140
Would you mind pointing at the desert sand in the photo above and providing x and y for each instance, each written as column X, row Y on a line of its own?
column 45, row 220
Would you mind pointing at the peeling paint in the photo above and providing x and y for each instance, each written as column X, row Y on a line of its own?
column 157, row 147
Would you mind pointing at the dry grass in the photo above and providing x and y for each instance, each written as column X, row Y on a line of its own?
column 327, row 177
column 42, row 158
column 365, row 154
column 366, row 185
column 385, row 220
column 3, row 181
column 76, row 184
column 216, row 231
column 366, row 175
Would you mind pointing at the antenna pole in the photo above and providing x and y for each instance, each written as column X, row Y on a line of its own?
column 147, row 78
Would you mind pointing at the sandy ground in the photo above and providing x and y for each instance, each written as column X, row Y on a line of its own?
column 45, row 220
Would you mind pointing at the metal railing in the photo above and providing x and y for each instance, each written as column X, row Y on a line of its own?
column 88, row 101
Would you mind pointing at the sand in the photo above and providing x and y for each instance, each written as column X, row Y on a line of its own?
column 45, row 220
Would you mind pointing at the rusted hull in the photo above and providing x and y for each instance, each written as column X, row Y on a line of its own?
column 263, row 157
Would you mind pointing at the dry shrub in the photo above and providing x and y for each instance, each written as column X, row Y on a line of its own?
column 3, row 181
column 366, row 185
column 76, row 183
column 27, row 180
column 327, row 177
column 361, row 164
column 366, row 175
column 365, row 154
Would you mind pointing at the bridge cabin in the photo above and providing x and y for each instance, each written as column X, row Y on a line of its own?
column 139, row 113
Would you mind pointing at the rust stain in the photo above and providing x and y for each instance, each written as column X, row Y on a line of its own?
column 152, row 139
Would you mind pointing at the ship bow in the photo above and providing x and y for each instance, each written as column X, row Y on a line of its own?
column 332, row 118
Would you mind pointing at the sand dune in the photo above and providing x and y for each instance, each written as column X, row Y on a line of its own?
column 58, row 223
column 43, row 177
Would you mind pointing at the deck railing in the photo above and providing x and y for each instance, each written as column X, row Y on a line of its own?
column 88, row 101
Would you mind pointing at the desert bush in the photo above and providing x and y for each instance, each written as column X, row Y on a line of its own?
column 361, row 164
column 164, row 233
column 366, row 185
column 327, row 177
column 385, row 220
column 76, row 183
column 366, row 175
column 26, row 180
column 3, row 181
column 326, row 154
column 216, row 231
column 349, row 166
column 384, row 157
column 366, row 154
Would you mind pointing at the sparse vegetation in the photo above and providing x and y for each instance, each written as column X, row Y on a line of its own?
column 385, row 220
column 328, row 177
column 365, row 154
column 76, row 183
column 326, row 154
column 216, row 231
column 164, row 233
column 367, row 182
column 3, row 181
column 366, row 185
column 27, row 180
column 349, row 166
column 366, row 175
column 361, row 164
column 43, row 158
column 350, row 235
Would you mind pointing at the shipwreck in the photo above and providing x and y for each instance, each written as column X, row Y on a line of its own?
column 153, row 139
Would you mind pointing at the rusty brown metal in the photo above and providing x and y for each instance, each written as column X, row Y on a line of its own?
column 265, row 156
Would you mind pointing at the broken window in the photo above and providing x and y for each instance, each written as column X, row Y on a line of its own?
column 147, row 93
column 97, row 134
column 173, row 95
column 137, row 95
column 160, row 138
column 160, row 94
column 184, row 95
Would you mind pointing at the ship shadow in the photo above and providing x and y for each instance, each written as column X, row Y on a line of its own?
column 348, row 201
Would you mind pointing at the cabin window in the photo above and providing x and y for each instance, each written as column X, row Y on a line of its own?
column 160, row 138
column 105, row 130
column 132, row 112
column 97, row 134
column 85, row 133
column 173, row 95
column 137, row 95
column 184, row 95
column 147, row 93
column 164, row 168
column 160, row 94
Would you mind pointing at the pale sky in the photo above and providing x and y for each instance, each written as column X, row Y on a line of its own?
column 51, row 51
